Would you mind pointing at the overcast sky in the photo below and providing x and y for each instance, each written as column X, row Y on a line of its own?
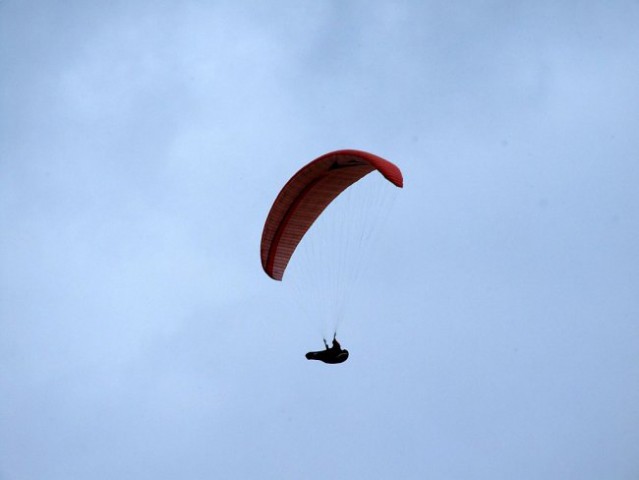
column 495, row 334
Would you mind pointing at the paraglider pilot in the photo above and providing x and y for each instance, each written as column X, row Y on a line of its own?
column 332, row 354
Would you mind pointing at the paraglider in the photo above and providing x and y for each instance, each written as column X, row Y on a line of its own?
column 301, row 202
column 332, row 354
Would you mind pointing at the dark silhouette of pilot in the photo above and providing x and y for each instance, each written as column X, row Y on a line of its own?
column 333, row 354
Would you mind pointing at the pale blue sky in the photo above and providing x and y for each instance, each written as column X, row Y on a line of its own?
column 141, row 145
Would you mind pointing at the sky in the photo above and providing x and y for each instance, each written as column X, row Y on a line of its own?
column 495, row 334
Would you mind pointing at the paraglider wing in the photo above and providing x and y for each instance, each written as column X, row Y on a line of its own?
column 307, row 194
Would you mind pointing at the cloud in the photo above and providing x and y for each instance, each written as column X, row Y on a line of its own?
column 141, row 145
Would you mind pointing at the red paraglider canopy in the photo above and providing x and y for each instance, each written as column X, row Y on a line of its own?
column 307, row 194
